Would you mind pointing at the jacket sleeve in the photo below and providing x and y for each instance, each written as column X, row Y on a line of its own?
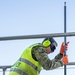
column 45, row 61
column 58, row 57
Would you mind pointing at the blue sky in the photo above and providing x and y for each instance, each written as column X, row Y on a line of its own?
column 30, row 17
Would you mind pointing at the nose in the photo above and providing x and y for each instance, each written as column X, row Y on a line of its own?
column 54, row 44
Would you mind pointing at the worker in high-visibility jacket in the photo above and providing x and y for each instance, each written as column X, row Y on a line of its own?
column 35, row 58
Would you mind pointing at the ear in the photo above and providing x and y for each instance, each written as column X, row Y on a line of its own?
column 46, row 43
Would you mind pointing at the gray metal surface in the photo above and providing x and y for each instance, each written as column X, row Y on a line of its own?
column 37, row 36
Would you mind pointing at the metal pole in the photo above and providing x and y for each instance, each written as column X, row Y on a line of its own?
column 65, row 36
column 3, row 72
column 4, row 69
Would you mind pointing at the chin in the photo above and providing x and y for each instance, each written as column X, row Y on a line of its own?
column 48, row 52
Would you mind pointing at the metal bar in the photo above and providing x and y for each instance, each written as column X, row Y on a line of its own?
column 36, row 36
column 65, row 26
column 3, row 72
column 71, row 63
column 4, row 69
column 9, row 66
column 65, row 70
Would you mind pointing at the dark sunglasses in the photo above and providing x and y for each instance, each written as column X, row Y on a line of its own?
column 52, row 47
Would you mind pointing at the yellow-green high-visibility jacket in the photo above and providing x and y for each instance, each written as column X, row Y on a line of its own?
column 26, row 65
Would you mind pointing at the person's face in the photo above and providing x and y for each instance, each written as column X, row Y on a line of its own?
column 48, row 49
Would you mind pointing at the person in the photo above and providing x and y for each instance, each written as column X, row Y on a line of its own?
column 35, row 58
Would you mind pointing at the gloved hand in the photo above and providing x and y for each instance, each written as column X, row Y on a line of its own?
column 65, row 59
column 62, row 47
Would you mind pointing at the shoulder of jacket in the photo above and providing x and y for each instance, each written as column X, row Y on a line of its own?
column 41, row 49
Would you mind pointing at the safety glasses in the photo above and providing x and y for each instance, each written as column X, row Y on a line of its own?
column 52, row 47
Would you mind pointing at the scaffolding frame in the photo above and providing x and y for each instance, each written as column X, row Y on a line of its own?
column 65, row 34
column 5, row 67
